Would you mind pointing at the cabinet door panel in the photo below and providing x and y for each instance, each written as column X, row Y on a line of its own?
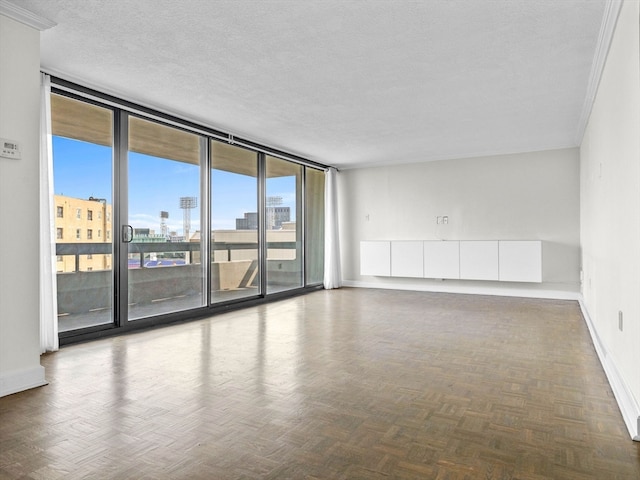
column 521, row 261
column 479, row 260
column 442, row 259
column 406, row 259
column 375, row 258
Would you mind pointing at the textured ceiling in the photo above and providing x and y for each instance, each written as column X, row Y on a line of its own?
column 346, row 83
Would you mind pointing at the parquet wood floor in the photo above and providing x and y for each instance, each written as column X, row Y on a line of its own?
column 343, row 384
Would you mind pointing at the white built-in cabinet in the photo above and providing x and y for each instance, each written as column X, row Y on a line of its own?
column 520, row 260
column 441, row 259
column 498, row 260
column 375, row 258
column 407, row 259
column 479, row 260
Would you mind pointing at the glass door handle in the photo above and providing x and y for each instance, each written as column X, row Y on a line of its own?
column 127, row 233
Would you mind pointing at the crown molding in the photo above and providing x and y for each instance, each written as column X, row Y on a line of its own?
column 24, row 16
column 607, row 28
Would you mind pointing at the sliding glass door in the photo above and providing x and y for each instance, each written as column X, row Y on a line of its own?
column 314, row 210
column 165, row 272
column 155, row 217
column 283, row 223
column 235, row 266
column 83, row 202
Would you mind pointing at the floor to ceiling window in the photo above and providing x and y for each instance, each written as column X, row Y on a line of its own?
column 283, row 223
column 157, row 218
column 314, row 207
column 83, row 202
column 235, row 266
column 165, row 272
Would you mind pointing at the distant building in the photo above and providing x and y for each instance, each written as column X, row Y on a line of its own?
column 82, row 221
column 148, row 238
column 276, row 216
column 249, row 222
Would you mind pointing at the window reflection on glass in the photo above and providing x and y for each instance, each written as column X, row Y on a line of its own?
column 314, row 202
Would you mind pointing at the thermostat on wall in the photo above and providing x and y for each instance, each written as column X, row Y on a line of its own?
column 10, row 149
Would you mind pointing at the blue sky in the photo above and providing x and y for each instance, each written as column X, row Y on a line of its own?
column 83, row 170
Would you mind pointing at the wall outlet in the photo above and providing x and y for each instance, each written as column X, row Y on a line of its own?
column 620, row 321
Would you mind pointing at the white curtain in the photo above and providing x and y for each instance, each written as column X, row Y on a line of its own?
column 48, row 288
column 332, row 270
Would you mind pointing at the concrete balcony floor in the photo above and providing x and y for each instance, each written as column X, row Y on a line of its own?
column 104, row 316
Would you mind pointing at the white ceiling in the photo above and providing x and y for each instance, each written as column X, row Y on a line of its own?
column 344, row 82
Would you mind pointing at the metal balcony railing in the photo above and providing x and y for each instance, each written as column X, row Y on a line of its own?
column 143, row 248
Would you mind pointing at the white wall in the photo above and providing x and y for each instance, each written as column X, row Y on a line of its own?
column 19, row 120
column 531, row 196
column 610, row 213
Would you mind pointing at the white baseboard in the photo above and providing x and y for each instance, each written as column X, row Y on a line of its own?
column 626, row 402
column 17, row 381
column 473, row 289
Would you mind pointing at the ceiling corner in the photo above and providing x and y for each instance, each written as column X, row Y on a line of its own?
column 607, row 28
column 25, row 16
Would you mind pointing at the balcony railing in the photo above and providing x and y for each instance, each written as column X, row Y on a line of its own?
column 141, row 249
column 234, row 267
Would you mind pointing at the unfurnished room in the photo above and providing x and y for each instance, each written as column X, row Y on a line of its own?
column 355, row 239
